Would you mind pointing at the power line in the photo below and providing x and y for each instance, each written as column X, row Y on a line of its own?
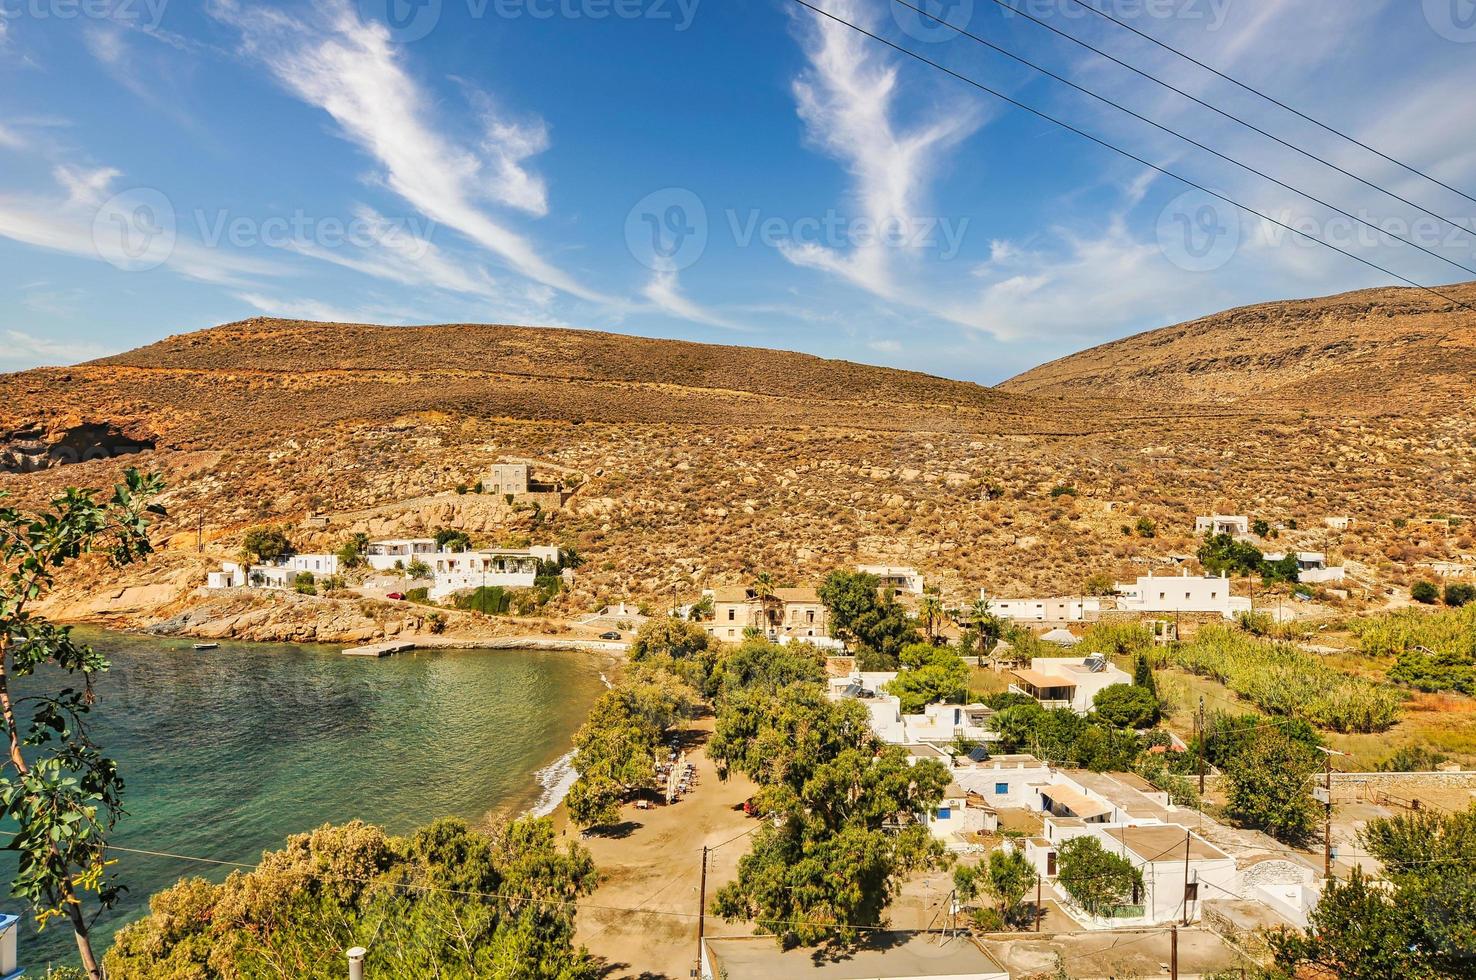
column 1208, row 149
column 1008, row 5
column 1130, row 155
column 1276, row 102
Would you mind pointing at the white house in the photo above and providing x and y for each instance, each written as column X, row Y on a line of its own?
column 1006, row 782
column 1068, row 682
column 936, row 723
column 1222, row 524
column 1338, row 523
column 1231, row 524
column 896, row 578
column 382, row 556
column 1045, row 610
column 510, row 568
column 231, row 576
column 1180, row 593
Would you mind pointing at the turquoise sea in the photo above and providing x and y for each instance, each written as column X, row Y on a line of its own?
column 225, row 752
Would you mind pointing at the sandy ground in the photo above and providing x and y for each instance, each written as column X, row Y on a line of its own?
column 1114, row 954
column 642, row 920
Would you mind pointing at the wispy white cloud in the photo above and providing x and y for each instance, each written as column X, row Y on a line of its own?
column 350, row 69
column 28, row 349
column 664, row 291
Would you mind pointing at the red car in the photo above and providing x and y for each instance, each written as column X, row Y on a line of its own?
column 396, row 596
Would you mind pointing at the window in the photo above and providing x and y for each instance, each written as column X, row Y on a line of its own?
column 1160, row 595
column 945, row 813
column 1050, row 864
column 732, row 615
column 1214, row 595
column 1001, row 789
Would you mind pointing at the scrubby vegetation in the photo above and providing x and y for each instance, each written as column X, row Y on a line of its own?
column 420, row 904
column 1432, row 651
column 1283, row 680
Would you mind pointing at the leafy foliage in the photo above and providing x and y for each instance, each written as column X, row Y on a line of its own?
column 681, row 647
column 617, row 748
column 446, row 901
column 1426, row 592
column 453, row 539
column 931, row 674
column 1096, row 879
column 63, row 794
column 1458, row 594
column 1420, row 927
column 266, row 543
column 1126, row 706
column 1270, row 786
column 1004, row 877
column 1432, row 651
column 859, row 615
column 1284, row 680
column 1062, row 737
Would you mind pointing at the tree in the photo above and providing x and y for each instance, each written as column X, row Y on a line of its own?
column 1426, row 592
column 1005, row 877
column 445, row 901
column 859, row 615
column 304, row 584
column 1270, row 787
column 681, row 647
column 932, row 674
column 1099, row 583
column 1459, row 593
column 417, row 569
column 1260, row 527
column 1221, row 553
column 63, row 794
column 453, row 539
column 767, row 667
column 1284, row 569
column 763, row 591
column 828, row 865
column 1416, row 926
column 1126, row 705
column 266, row 543
column 351, row 552
column 1143, row 674
column 1097, row 880
column 930, row 612
column 617, row 747
column 1146, row 527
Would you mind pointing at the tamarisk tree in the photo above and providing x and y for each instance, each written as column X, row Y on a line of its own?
column 63, row 794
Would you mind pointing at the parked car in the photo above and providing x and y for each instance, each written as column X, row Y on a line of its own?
column 397, row 596
column 610, row 635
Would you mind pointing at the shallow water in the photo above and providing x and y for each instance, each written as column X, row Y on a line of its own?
column 225, row 752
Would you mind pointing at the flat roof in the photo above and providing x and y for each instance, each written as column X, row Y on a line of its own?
column 1035, row 678
column 888, row 954
column 1165, row 842
column 1078, row 803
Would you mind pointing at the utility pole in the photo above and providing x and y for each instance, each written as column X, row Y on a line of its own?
column 1174, row 952
column 702, row 909
column 1188, row 839
column 1199, row 730
column 1327, row 808
column 199, row 533
column 1038, row 910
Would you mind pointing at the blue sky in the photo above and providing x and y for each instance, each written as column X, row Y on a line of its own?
column 735, row 172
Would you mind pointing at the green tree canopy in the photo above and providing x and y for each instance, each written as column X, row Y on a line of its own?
column 266, row 543
column 1004, row 878
column 1126, row 706
column 875, row 624
column 931, row 674
column 1096, row 879
column 453, row 539
column 421, row 905
column 617, row 748
column 1270, row 786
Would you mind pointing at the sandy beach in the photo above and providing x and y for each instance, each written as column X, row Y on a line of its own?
column 642, row 919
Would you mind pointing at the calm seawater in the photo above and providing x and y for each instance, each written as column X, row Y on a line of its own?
column 225, row 752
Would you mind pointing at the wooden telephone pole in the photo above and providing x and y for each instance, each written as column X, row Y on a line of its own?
column 1199, row 729
column 1174, row 952
column 702, row 910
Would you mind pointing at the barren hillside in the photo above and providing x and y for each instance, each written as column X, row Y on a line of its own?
column 1369, row 351
column 704, row 464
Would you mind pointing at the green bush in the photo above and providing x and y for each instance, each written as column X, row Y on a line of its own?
column 1458, row 594
column 1432, row 651
column 491, row 600
column 1126, row 706
column 1426, row 592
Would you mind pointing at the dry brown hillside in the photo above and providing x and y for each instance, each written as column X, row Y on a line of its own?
column 704, row 464
column 1368, row 351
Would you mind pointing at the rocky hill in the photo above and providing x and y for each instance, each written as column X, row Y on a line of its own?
column 703, row 464
column 1369, row 351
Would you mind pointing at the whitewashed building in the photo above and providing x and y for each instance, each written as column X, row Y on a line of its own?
column 1075, row 609
column 1181, row 593
column 1067, row 682
column 1231, row 524
column 1312, row 566
column 896, row 578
